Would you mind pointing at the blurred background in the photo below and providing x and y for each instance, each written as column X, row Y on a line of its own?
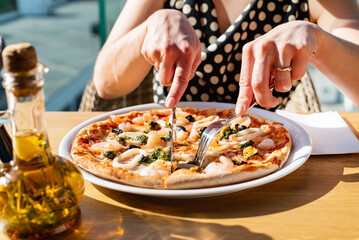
column 68, row 34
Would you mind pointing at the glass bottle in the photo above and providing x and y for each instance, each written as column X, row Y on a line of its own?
column 40, row 193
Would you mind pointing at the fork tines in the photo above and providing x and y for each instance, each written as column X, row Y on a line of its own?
column 206, row 139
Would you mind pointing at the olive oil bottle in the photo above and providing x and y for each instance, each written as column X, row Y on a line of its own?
column 40, row 192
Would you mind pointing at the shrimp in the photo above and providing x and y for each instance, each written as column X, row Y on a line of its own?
column 142, row 119
column 181, row 121
column 126, row 126
column 243, row 121
column 110, row 145
column 181, row 135
column 185, row 157
column 158, row 168
column 138, row 120
column 225, row 164
column 267, row 143
column 163, row 132
column 154, row 140
column 235, row 121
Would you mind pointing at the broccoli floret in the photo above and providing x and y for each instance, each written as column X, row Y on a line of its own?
column 141, row 138
column 122, row 140
column 227, row 132
column 158, row 153
column 154, row 155
column 109, row 154
column 235, row 162
column 246, row 144
column 166, row 156
column 145, row 160
column 167, row 137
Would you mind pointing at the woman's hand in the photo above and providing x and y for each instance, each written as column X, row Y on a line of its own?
column 288, row 45
column 172, row 46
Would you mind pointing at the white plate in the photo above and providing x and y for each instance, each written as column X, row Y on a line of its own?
column 300, row 152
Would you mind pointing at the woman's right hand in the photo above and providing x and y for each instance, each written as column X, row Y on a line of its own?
column 172, row 46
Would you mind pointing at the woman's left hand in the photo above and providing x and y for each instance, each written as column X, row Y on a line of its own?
column 282, row 54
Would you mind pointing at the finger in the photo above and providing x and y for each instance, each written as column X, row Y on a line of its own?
column 299, row 67
column 195, row 64
column 152, row 56
column 245, row 83
column 157, row 59
column 283, row 79
column 180, row 82
column 148, row 59
column 166, row 71
column 260, row 83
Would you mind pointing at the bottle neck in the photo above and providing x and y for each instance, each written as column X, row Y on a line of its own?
column 25, row 97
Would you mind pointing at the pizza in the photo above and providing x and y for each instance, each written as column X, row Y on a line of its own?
column 135, row 148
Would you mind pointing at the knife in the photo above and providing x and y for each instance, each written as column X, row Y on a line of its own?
column 172, row 133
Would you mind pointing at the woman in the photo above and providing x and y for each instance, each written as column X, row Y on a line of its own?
column 220, row 43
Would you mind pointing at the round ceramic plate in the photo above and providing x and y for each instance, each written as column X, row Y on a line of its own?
column 300, row 152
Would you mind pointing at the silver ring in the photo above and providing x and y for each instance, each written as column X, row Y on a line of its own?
column 283, row 69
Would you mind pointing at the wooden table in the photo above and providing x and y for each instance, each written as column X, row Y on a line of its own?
column 320, row 200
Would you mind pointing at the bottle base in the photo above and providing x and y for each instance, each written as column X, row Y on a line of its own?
column 48, row 232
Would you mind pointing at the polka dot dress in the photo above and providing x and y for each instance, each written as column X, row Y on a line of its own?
column 217, row 77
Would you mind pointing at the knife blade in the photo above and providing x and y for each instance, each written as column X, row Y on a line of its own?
column 173, row 122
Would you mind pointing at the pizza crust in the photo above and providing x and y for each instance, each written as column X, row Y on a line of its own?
column 184, row 180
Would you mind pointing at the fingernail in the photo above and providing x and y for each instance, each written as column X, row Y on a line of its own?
column 170, row 102
column 239, row 109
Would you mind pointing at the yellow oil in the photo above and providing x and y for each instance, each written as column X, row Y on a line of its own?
column 39, row 200
column 31, row 146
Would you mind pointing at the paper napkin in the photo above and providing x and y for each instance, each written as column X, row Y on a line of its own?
column 329, row 132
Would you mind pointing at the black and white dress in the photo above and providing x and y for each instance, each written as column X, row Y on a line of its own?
column 217, row 77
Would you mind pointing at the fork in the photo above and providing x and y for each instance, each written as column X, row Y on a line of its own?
column 206, row 138
column 208, row 135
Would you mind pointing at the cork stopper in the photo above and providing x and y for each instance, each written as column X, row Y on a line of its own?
column 19, row 57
